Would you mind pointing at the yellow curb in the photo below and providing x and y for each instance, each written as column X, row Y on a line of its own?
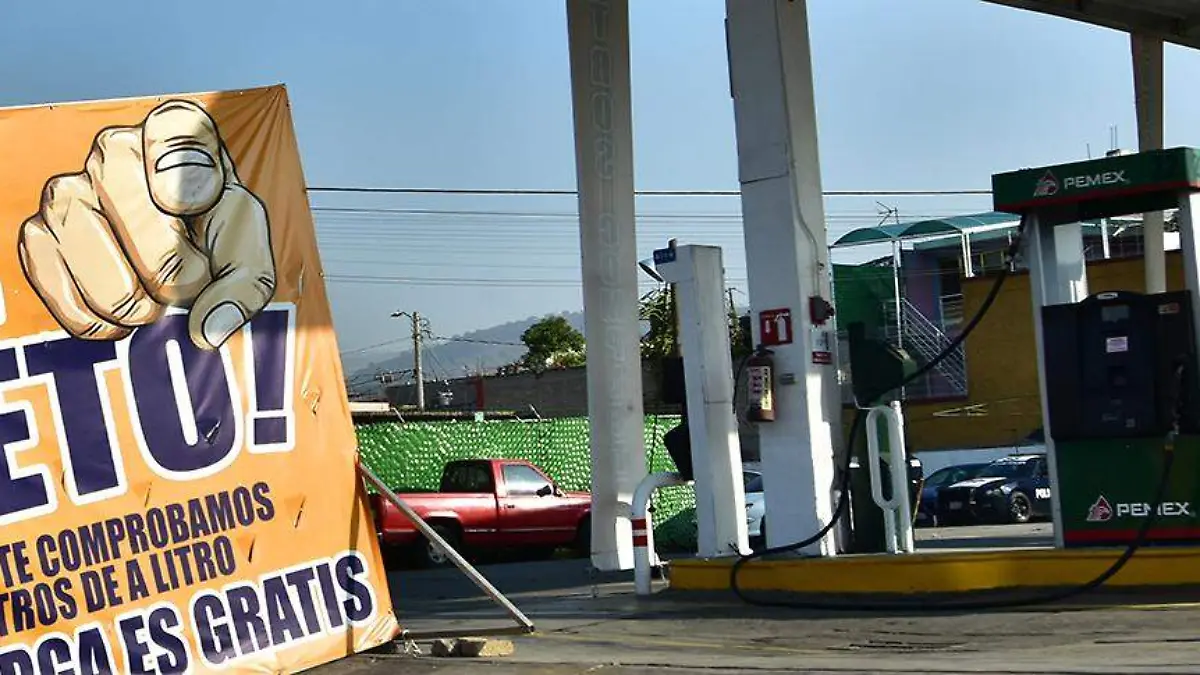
column 934, row 572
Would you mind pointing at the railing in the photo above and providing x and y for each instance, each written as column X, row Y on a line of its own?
column 645, row 558
column 924, row 340
column 952, row 312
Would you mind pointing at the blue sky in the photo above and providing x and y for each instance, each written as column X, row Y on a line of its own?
column 475, row 94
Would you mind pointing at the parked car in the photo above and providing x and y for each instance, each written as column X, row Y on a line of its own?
column 756, row 510
column 488, row 504
column 948, row 475
column 1013, row 489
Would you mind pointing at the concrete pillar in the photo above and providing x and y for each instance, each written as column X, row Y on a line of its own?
column 786, row 256
column 698, row 275
column 1189, row 243
column 598, row 32
column 1148, row 93
column 1057, row 275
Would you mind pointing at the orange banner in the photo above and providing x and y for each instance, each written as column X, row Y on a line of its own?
column 178, row 490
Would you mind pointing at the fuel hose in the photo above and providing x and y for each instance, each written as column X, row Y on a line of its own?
column 928, row 604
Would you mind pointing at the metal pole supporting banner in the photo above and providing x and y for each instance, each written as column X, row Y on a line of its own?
column 523, row 622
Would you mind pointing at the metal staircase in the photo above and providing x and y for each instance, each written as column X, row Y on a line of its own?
column 925, row 340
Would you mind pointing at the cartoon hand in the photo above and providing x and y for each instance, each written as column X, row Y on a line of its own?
column 157, row 218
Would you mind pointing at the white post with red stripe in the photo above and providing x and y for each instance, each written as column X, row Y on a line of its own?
column 644, row 556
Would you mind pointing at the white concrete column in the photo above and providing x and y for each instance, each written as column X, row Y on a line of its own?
column 786, row 256
column 1148, row 93
column 1057, row 275
column 1189, row 243
column 598, row 33
column 699, row 278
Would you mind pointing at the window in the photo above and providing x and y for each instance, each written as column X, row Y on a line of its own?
column 755, row 484
column 1002, row 468
column 467, row 477
column 522, row 480
column 937, row 477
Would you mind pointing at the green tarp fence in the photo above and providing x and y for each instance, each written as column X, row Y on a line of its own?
column 410, row 456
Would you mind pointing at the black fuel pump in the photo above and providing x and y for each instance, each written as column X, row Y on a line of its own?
column 1121, row 385
column 1111, row 366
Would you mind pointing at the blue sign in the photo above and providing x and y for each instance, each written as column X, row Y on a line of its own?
column 664, row 255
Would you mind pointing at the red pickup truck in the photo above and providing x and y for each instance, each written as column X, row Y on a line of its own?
column 488, row 504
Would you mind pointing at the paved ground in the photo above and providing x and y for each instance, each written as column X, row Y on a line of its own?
column 588, row 624
column 1033, row 535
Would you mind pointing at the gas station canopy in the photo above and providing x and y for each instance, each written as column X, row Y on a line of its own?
column 1176, row 21
column 922, row 229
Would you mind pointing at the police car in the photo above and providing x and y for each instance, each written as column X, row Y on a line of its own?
column 1013, row 489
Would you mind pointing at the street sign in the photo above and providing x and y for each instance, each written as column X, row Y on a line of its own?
column 775, row 327
column 664, row 255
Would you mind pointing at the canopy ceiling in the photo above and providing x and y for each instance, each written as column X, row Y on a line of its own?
column 1176, row 21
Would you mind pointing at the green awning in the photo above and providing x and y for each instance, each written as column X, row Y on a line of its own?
column 1089, row 229
column 951, row 225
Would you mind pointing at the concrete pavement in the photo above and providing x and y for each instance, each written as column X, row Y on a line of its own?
column 594, row 624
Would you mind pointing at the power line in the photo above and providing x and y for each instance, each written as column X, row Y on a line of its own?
column 480, row 342
column 640, row 193
column 374, row 214
column 373, row 279
column 360, row 350
column 435, row 338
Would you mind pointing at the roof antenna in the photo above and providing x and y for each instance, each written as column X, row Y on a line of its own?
column 886, row 212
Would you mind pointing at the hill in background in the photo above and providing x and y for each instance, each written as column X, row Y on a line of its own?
column 483, row 351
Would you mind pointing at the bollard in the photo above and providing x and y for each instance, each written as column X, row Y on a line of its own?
column 644, row 557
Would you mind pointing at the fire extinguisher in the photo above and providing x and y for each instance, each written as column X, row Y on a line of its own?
column 760, row 373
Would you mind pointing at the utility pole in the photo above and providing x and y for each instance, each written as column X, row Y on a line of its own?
column 676, row 348
column 418, row 333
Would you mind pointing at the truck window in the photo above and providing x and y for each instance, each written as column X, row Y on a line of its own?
column 522, row 480
column 467, row 477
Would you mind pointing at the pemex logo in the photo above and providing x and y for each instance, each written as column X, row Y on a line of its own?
column 1047, row 185
column 1101, row 511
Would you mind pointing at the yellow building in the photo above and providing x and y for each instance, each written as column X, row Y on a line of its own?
column 1003, row 405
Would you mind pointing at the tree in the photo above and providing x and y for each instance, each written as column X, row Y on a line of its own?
column 552, row 343
column 657, row 310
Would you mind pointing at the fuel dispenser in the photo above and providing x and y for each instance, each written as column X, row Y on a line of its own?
column 1120, row 378
column 1118, row 369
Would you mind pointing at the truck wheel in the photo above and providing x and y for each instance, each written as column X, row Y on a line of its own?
column 583, row 539
column 1019, row 508
column 430, row 555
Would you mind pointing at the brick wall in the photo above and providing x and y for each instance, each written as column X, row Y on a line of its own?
column 554, row 394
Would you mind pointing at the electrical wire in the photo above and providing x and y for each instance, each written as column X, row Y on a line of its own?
column 971, row 604
column 640, row 193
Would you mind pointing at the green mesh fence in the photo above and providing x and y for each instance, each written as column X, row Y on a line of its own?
column 410, row 456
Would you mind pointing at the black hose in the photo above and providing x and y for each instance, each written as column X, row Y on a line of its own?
column 926, row 603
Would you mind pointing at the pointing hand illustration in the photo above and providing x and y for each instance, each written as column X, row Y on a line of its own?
column 157, row 218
